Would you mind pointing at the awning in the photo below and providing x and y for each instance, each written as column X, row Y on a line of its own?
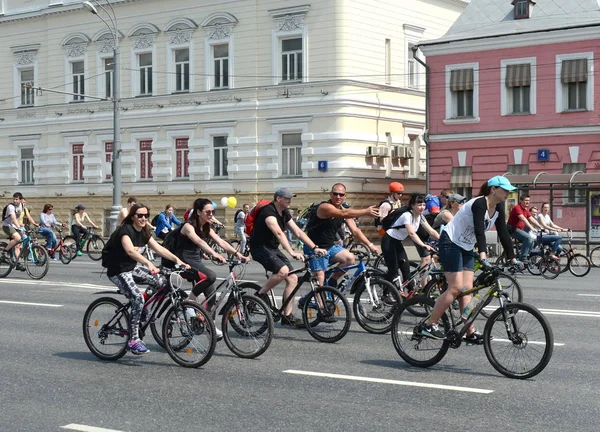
column 518, row 75
column 461, row 177
column 574, row 71
column 461, row 79
column 554, row 179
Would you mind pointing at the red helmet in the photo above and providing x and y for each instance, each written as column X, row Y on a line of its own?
column 396, row 187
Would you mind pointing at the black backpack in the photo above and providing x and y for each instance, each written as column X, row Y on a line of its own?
column 430, row 217
column 154, row 220
column 171, row 243
column 108, row 249
column 377, row 221
column 309, row 212
column 5, row 210
column 236, row 215
column 392, row 216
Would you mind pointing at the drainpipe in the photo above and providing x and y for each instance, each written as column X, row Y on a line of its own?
column 415, row 48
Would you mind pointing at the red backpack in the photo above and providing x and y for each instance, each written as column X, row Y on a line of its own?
column 251, row 217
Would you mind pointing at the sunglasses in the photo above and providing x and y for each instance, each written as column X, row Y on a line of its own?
column 141, row 215
column 338, row 194
column 208, row 212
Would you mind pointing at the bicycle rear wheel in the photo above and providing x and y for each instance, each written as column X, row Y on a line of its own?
column 533, row 267
column 326, row 314
column 247, row 326
column 5, row 264
column 550, row 268
column 518, row 341
column 37, row 262
column 189, row 334
column 414, row 348
column 65, row 254
column 94, row 247
column 70, row 243
column 374, row 307
column 105, row 329
column 579, row 265
column 595, row 256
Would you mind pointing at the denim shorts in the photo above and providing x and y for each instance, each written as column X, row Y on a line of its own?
column 321, row 263
column 453, row 258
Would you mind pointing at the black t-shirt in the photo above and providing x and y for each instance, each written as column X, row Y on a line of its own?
column 120, row 262
column 261, row 234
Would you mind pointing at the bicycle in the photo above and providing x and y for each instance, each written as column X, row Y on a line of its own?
column 325, row 312
column 214, row 246
column 93, row 244
column 356, row 247
column 540, row 261
column 577, row 263
column 187, row 327
column 33, row 258
column 236, row 244
column 508, row 336
column 65, row 253
column 595, row 256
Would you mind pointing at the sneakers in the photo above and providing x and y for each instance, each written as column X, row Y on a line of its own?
column 137, row 347
column 329, row 318
column 190, row 312
column 302, row 301
column 432, row 331
column 20, row 267
column 475, row 338
column 219, row 334
column 79, row 253
column 292, row 321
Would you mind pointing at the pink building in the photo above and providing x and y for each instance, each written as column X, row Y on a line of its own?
column 512, row 91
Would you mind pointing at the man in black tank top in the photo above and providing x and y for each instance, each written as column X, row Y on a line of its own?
column 323, row 226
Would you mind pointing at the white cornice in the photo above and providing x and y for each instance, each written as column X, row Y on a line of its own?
column 517, row 133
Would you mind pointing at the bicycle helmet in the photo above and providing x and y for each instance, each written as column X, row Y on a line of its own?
column 396, row 187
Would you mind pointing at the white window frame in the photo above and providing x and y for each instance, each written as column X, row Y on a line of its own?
column 71, row 79
column 451, row 97
column 24, row 58
column 278, row 37
column 506, row 93
column 144, row 42
column 31, row 90
column 210, row 62
column 412, row 36
column 138, row 74
column 222, row 150
column 562, row 96
column 180, row 34
column 25, row 144
column 297, row 149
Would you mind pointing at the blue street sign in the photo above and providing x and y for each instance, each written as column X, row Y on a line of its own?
column 322, row 166
column 543, row 155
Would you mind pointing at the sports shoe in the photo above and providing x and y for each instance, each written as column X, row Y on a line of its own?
column 328, row 318
column 303, row 300
column 292, row 321
column 190, row 312
column 219, row 334
column 474, row 338
column 20, row 267
column 137, row 347
column 432, row 331
column 79, row 253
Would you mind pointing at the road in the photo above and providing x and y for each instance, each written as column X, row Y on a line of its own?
column 51, row 382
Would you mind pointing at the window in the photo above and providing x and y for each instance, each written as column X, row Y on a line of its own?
column 109, row 67
column 575, row 82
column 461, row 87
column 291, row 59
column 574, row 196
column 388, row 61
column 291, row 157
column 518, row 82
column 27, row 94
column 27, row 165
column 518, row 169
column 77, row 162
column 146, row 159
column 461, row 181
column 412, row 68
column 108, row 152
column 221, row 66
column 182, row 157
column 220, row 156
column 182, row 70
column 78, row 77
column 521, row 9
column 145, row 73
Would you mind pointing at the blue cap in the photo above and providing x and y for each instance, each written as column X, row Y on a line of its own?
column 501, row 181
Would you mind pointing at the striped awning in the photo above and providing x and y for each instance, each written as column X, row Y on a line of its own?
column 518, row 75
column 574, row 71
column 461, row 177
column 461, row 79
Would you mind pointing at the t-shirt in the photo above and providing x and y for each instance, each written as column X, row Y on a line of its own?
column 120, row 262
column 239, row 220
column 439, row 220
column 514, row 219
column 261, row 234
column 11, row 209
column 404, row 219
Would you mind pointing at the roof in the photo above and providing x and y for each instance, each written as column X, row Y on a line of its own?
column 483, row 18
column 554, row 179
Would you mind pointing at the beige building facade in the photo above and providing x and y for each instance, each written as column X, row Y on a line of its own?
column 218, row 98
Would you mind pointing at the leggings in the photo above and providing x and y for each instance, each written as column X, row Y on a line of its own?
column 201, row 276
column 395, row 256
column 126, row 282
column 78, row 232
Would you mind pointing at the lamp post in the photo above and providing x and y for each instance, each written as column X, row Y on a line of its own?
column 116, row 159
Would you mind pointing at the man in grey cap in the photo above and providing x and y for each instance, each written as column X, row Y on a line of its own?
column 267, row 234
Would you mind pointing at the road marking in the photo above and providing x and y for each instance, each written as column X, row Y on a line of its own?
column 589, row 295
column 388, row 381
column 60, row 284
column 84, row 428
column 31, row 304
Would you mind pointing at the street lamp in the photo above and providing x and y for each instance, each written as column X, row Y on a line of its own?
column 116, row 159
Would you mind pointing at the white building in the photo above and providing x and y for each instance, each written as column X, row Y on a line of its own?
column 218, row 97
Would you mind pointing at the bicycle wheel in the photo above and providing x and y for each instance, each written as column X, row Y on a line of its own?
column 511, row 286
column 218, row 249
column 326, row 314
column 106, row 328
column 533, row 267
column 501, row 261
column 595, row 256
column 549, row 267
column 247, row 326
column 579, row 265
column 518, row 340
column 189, row 334
column 414, row 348
column 253, row 289
column 433, row 290
column 374, row 306
column 70, row 243
column 65, row 254
column 5, row 264
column 362, row 249
column 94, row 247
column 37, row 262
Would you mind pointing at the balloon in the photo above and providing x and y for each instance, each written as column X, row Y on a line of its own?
column 224, row 201
column 231, row 202
column 214, row 205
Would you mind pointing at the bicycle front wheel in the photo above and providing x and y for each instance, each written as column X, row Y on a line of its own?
column 5, row 264
column 106, row 328
column 509, row 285
column 326, row 314
column 37, row 262
column 579, row 265
column 374, row 305
column 247, row 326
column 65, row 254
column 595, row 256
column 550, row 268
column 533, row 267
column 362, row 249
column 518, row 340
column 94, row 248
column 189, row 334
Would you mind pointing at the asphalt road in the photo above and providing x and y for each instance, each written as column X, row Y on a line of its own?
column 50, row 381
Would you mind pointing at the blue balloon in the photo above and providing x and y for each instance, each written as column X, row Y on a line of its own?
column 214, row 205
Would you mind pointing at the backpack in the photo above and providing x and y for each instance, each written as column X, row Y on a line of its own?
column 430, row 217
column 307, row 214
column 186, row 215
column 108, row 249
column 251, row 217
column 4, row 211
column 377, row 221
column 171, row 243
column 235, row 216
column 386, row 222
column 154, row 220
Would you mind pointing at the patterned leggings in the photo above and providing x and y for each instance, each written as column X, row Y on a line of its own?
column 126, row 282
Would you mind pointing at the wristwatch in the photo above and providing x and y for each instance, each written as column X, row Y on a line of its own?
column 315, row 246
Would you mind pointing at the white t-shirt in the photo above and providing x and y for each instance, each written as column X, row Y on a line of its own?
column 544, row 218
column 405, row 218
column 12, row 209
column 461, row 229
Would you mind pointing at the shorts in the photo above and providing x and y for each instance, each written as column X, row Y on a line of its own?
column 453, row 258
column 9, row 230
column 272, row 260
column 321, row 263
column 422, row 251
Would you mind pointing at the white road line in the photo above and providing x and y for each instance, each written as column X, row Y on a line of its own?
column 31, row 304
column 589, row 295
column 388, row 381
column 84, row 428
column 59, row 284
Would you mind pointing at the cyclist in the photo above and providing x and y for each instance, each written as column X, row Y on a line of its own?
column 26, row 214
column 453, row 205
column 456, row 245
column 407, row 225
column 78, row 227
column 519, row 219
column 322, row 228
column 47, row 222
column 125, row 210
column 11, row 227
column 392, row 202
column 165, row 222
column 267, row 234
column 127, row 267
column 552, row 238
column 239, row 226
